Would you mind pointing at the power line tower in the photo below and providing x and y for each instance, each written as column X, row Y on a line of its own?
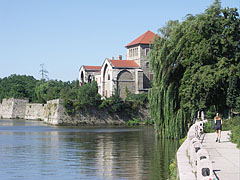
column 43, row 72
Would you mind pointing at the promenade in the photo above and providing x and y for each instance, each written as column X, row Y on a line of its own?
column 225, row 156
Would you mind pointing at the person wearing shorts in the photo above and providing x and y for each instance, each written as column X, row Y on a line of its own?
column 218, row 127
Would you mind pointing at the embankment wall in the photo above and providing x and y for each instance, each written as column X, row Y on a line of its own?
column 34, row 111
column 13, row 108
column 54, row 113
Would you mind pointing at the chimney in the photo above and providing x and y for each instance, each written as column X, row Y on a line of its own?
column 112, row 58
column 119, row 57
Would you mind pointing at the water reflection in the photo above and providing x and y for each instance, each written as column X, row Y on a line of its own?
column 31, row 150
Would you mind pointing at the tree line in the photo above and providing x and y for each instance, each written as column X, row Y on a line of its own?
column 75, row 97
column 196, row 66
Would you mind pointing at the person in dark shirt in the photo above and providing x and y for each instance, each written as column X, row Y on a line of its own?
column 218, row 126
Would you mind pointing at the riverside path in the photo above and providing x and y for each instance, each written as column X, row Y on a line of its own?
column 225, row 156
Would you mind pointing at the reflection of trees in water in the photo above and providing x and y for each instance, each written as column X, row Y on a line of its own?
column 164, row 151
column 132, row 154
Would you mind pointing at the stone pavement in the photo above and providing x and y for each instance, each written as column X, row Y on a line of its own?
column 225, row 156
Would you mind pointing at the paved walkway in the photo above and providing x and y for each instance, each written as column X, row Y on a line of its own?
column 225, row 156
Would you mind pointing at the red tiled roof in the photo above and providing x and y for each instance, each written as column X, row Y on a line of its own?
column 124, row 63
column 143, row 39
column 93, row 67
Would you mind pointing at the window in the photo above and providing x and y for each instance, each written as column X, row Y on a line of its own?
column 146, row 51
column 147, row 64
column 108, row 76
column 89, row 78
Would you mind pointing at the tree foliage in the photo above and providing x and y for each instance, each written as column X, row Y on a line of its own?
column 233, row 93
column 192, row 63
column 17, row 86
column 75, row 97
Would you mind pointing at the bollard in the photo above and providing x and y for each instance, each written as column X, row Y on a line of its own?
column 205, row 121
column 204, row 169
column 190, row 145
column 192, row 131
column 199, row 128
column 191, row 134
column 193, row 158
column 201, row 155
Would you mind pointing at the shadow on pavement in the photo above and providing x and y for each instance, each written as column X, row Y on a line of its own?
column 214, row 171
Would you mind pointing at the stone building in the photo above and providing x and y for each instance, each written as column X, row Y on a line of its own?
column 134, row 73
column 88, row 73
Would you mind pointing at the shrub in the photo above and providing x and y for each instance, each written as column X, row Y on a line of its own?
column 114, row 103
column 134, row 122
column 209, row 127
column 233, row 125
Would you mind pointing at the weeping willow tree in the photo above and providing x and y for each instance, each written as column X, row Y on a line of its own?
column 192, row 63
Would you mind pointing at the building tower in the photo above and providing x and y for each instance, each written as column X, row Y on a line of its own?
column 137, row 50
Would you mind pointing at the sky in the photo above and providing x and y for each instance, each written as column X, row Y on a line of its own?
column 66, row 34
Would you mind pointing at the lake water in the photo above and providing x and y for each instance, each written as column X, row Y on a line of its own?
column 31, row 150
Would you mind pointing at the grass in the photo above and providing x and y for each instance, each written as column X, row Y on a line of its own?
column 134, row 122
column 173, row 166
column 137, row 122
column 173, row 170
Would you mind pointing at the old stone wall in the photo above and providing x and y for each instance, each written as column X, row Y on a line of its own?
column 125, row 80
column 19, row 106
column 34, row 111
column 54, row 113
column 13, row 108
column 6, row 108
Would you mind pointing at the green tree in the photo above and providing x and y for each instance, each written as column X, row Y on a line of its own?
column 18, row 86
column 48, row 90
column 87, row 96
column 192, row 64
column 232, row 93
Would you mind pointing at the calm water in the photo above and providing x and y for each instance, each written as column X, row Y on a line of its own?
column 30, row 150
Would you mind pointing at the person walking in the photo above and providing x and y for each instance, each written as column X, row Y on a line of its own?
column 218, row 126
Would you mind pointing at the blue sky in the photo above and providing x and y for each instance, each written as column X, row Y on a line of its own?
column 65, row 34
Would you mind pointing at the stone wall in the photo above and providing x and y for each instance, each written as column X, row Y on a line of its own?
column 19, row 106
column 6, row 108
column 13, row 108
column 51, row 112
column 125, row 80
column 34, row 111
column 54, row 113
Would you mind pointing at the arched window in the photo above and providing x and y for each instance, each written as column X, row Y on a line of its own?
column 82, row 77
column 89, row 78
column 147, row 64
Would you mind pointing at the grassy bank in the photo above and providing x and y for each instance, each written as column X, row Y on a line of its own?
column 173, row 166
